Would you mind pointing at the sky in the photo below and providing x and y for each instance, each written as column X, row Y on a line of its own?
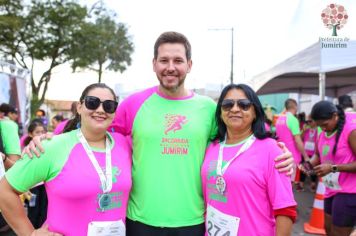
column 265, row 33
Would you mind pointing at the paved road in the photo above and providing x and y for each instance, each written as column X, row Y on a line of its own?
column 305, row 202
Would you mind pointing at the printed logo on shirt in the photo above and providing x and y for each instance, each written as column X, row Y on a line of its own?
column 174, row 123
column 115, row 172
column 213, row 193
column 325, row 150
column 174, row 146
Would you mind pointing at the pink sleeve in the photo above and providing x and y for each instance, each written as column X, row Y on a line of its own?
column 127, row 110
column 22, row 140
column 279, row 185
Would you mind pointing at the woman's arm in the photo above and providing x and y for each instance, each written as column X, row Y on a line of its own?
column 283, row 225
column 13, row 210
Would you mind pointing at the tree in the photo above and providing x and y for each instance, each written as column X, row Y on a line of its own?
column 334, row 17
column 44, row 31
column 102, row 45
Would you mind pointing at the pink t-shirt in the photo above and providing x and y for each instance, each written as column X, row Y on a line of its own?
column 60, row 127
column 286, row 127
column 72, row 183
column 343, row 155
column 310, row 138
column 254, row 187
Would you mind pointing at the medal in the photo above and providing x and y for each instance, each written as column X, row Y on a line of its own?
column 105, row 179
column 104, row 201
column 220, row 184
column 220, row 181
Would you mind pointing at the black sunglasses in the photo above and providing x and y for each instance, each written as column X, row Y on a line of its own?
column 92, row 103
column 243, row 104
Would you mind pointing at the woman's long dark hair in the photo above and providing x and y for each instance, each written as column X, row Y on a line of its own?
column 258, row 125
column 324, row 110
column 75, row 122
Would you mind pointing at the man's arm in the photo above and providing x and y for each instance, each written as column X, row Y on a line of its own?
column 298, row 141
column 288, row 162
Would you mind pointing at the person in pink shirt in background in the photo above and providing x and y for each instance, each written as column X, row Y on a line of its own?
column 310, row 136
column 244, row 193
column 61, row 127
column 288, row 132
column 335, row 162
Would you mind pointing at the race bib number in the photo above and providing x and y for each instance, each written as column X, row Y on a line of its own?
column 106, row 228
column 220, row 224
column 310, row 146
column 332, row 181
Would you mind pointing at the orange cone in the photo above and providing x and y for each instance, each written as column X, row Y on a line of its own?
column 316, row 222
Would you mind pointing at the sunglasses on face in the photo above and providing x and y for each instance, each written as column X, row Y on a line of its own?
column 92, row 103
column 243, row 104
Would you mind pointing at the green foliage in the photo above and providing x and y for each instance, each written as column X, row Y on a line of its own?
column 102, row 45
column 61, row 32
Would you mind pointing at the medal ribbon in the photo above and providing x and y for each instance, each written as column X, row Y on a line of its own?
column 105, row 179
column 219, row 170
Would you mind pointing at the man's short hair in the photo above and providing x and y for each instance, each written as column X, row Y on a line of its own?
column 173, row 37
column 289, row 103
column 7, row 108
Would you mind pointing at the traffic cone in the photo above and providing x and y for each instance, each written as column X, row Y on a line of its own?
column 316, row 222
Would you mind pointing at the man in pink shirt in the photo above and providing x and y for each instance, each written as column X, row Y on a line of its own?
column 288, row 131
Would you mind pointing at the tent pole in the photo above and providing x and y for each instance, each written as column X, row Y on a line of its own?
column 322, row 86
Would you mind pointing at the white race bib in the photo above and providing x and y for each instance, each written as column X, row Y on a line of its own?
column 310, row 146
column 331, row 181
column 221, row 224
column 106, row 228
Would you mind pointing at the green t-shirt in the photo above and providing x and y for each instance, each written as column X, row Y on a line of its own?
column 293, row 124
column 169, row 141
column 10, row 137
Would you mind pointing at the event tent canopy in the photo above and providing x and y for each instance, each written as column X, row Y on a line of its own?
column 301, row 73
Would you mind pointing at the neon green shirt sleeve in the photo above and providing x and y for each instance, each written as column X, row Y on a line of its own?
column 28, row 172
column 293, row 124
column 10, row 137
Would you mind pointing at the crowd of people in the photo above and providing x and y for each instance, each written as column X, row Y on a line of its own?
column 168, row 161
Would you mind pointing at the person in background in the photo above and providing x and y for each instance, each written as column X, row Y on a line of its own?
column 61, row 127
column 86, row 172
column 240, row 184
column 13, row 114
column 10, row 136
column 41, row 114
column 56, row 120
column 310, row 136
column 335, row 162
column 345, row 102
column 288, row 132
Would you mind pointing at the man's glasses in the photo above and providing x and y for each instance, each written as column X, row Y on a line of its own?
column 243, row 104
column 92, row 103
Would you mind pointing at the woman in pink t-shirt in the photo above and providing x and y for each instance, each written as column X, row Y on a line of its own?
column 86, row 171
column 335, row 162
column 244, row 193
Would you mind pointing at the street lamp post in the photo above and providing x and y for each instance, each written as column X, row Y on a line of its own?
column 232, row 51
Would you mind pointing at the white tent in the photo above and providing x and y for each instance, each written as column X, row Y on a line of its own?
column 317, row 69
